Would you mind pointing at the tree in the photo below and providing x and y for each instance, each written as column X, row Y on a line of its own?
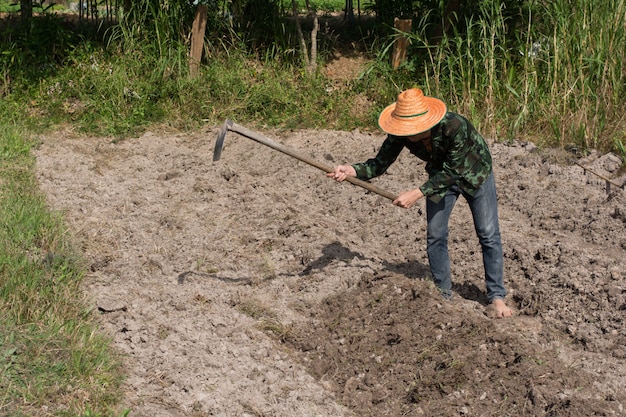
column 310, row 63
column 349, row 11
column 26, row 9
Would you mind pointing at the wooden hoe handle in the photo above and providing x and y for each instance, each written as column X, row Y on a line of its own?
column 229, row 125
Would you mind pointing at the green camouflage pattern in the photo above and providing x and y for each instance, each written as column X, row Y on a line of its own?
column 455, row 154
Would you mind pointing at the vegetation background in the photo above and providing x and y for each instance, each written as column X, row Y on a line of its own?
column 552, row 72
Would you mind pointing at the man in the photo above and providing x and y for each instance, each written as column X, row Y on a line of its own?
column 458, row 163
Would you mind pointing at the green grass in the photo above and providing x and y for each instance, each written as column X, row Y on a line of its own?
column 558, row 81
column 319, row 5
column 7, row 6
column 52, row 356
column 121, row 95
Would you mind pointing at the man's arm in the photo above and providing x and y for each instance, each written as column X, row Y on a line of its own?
column 387, row 155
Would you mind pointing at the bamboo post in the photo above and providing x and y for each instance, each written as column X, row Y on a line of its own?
column 197, row 40
column 398, row 55
column 607, row 181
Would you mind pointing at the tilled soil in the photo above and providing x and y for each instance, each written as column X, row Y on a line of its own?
column 255, row 286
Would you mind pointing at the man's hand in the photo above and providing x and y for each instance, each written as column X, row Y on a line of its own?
column 341, row 172
column 408, row 198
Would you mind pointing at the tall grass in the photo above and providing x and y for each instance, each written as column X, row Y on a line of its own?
column 560, row 80
column 550, row 72
column 120, row 95
column 52, row 359
column 586, row 69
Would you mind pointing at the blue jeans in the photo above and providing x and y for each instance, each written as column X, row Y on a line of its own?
column 484, row 207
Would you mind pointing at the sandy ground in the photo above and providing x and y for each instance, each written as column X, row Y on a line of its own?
column 254, row 286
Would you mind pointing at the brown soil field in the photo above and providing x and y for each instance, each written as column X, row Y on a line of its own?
column 255, row 286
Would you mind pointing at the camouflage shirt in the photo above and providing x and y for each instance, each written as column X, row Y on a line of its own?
column 455, row 153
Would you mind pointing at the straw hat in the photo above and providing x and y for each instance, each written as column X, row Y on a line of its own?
column 413, row 113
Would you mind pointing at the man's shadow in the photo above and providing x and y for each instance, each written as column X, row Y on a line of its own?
column 411, row 269
column 338, row 252
column 330, row 253
column 470, row 292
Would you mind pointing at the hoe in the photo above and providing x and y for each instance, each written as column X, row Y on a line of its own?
column 229, row 125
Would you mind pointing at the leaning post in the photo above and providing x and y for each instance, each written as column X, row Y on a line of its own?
column 197, row 40
column 398, row 55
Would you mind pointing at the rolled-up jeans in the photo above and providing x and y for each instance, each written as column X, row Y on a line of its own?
column 484, row 207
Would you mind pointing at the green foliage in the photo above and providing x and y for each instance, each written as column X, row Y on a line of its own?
column 619, row 146
column 325, row 6
column 584, row 74
column 257, row 22
column 9, row 6
column 551, row 72
column 528, row 70
column 119, row 95
column 154, row 24
column 50, row 354
column 35, row 49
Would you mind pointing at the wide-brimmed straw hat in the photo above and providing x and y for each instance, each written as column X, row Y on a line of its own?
column 413, row 113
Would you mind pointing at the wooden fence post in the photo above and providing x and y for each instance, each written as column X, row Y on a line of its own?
column 197, row 40
column 398, row 55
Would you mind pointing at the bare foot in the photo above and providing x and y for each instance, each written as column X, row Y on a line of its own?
column 499, row 309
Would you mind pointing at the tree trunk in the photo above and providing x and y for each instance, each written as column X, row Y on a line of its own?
column 26, row 9
column 313, row 61
column 349, row 12
column 312, row 66
column 303, row 47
